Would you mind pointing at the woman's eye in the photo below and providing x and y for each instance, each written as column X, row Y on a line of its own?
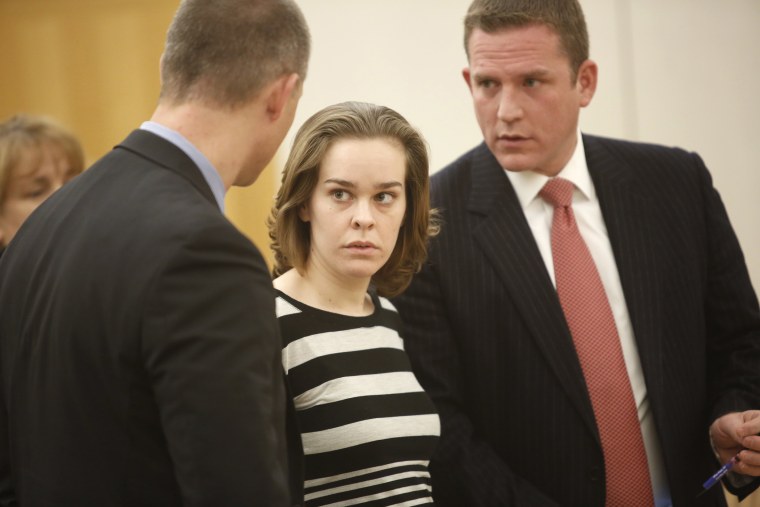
column 38, row 189
column 385, row 197
column 34, row 193
column 340, row 195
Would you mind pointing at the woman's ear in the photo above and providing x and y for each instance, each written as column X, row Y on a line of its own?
column 303, row 212
column 2, row 232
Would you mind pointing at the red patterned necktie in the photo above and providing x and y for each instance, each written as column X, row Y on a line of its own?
column 594, row 332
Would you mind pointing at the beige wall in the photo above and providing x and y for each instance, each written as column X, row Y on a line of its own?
column 675, row 72
column 93, row 64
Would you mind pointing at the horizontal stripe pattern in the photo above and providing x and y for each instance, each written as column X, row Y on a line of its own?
column 368, row 455
column 348, row 387
column 366, row 474
column 406, row 483
column 368, row 428
column 350, row 340
column 354, row 409
column 402, row 493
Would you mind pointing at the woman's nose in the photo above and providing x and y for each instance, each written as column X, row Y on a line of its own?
column 363, row 217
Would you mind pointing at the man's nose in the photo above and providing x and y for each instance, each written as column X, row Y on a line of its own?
column 510, row 107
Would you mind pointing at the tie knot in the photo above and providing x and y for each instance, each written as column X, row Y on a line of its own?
column 558, row 192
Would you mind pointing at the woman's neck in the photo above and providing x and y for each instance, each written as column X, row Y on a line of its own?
column 326, row 293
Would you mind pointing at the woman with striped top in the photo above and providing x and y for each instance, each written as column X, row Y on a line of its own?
column 349, row 228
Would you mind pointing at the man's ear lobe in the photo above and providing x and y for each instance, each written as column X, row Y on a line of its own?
column 280, row 92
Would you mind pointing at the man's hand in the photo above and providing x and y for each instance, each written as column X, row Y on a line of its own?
column 737, row 433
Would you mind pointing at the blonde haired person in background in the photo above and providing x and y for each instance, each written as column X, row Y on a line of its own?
column 37, row 156
column 350, row 227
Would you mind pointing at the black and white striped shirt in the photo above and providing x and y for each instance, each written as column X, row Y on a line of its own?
column 368, row 428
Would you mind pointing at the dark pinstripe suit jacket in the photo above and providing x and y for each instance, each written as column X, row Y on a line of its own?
column 489, row 342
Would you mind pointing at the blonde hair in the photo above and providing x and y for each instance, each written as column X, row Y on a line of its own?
column 23, row 133
column 291, row 237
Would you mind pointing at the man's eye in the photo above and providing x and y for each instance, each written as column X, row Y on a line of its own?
column 531, row 83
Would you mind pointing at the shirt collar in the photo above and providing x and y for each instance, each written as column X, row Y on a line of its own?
column 207, row 169
column 528, row 184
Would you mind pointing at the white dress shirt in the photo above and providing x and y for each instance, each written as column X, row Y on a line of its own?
column 591, row 224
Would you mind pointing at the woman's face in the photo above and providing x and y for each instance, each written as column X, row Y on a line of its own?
column 40, row 172
column 357, row 208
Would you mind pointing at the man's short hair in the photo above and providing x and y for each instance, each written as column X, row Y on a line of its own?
column 225, row 51
column 564, row 16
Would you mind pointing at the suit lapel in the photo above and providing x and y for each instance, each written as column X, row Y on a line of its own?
column 507, row 242
column 636, row 238
column 167, row 155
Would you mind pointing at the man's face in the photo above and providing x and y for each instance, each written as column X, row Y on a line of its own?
column 526, row 102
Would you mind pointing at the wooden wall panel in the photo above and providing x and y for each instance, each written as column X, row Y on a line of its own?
column 93, row 65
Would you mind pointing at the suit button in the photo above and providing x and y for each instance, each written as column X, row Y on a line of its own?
column 596, row 474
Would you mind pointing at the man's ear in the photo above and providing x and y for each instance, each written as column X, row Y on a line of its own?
column 279, row 93
column 587, row 79
column 467, row 77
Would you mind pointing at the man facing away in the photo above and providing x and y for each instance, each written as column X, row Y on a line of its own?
column 586, row 324
column 139, row 351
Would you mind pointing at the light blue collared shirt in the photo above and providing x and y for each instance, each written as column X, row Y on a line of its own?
column 207, row 169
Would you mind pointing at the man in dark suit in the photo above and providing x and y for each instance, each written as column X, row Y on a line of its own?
column 492, row 321
column 139, row 351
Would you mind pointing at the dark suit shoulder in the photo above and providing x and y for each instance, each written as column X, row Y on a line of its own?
column 461, row 167
column 647, row 169
column 642, row 155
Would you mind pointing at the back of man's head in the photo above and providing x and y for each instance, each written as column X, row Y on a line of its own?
column 223, row 52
